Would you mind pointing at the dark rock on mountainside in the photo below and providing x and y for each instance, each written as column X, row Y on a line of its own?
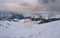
column 48, row 20
column 42, row 20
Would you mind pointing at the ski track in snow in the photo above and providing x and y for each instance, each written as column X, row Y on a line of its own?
column 29, row 30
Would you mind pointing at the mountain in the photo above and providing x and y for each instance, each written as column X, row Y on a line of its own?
column 30, row 29
column 7, row 15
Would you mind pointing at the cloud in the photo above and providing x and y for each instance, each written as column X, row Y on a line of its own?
column 29, row 5
column 32, row 2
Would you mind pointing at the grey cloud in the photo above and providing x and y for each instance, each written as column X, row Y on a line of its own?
column 31, row 2
column 34, row 5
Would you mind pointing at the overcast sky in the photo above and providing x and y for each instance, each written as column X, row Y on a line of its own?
column 28, row 5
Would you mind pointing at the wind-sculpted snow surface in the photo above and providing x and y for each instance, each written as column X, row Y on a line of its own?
column 10, row 29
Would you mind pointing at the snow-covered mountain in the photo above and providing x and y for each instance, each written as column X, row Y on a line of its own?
column 6, row 15
column 10, row 29
column 43, row 18
column 16, row 25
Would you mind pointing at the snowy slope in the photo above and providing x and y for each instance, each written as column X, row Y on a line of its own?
column 9, row 29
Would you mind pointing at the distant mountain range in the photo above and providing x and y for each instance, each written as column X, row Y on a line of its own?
column 6, row 15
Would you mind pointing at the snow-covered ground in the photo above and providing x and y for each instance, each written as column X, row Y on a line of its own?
column 11, row 29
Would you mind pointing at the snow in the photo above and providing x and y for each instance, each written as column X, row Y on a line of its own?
column 27, row 28
column 24, row 20
column 10, row 29
column 52, row 30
